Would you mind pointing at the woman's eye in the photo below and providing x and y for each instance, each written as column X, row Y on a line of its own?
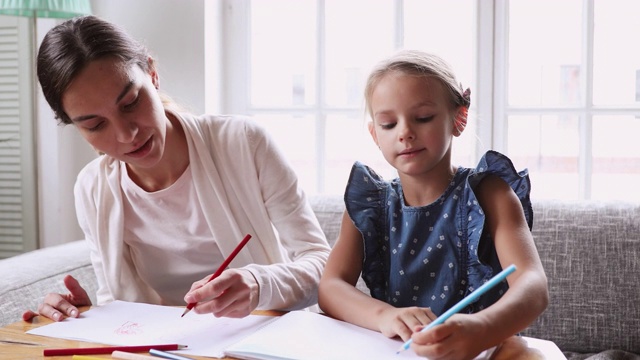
column 96, row 127
column 132, row 104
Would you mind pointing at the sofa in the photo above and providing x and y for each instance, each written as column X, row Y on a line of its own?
column 590, row 252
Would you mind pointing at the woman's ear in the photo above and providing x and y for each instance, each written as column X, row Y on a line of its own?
column 372, row 131
column 460, row 122
column 155, row 79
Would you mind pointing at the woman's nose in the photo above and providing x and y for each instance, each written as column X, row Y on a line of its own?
column 126, row 130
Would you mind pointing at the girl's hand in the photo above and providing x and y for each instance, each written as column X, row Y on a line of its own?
column 57, row 307
column 459, row 338
column 402, row 321
column 235, row 293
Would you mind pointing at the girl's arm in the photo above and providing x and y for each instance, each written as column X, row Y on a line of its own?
column 527, row 296
column 465, row 336
column 340, row 299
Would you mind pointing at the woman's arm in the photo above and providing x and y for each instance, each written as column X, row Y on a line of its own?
column 292, row 284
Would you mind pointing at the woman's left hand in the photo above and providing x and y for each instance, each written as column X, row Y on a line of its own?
column 235, row 293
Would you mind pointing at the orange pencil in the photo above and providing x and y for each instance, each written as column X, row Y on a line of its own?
column 222, row 267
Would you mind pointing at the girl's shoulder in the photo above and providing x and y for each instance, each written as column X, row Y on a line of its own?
column 365, row 182
column 366, row 189
column 495, row 163
column 499, row 165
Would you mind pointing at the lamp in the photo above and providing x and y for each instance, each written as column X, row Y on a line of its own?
column 61, row 9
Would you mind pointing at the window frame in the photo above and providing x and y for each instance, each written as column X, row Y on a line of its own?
column 236, row 70
column 490, row 96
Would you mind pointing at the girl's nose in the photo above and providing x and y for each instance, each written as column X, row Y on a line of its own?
column 405, row 131
column 126, row 130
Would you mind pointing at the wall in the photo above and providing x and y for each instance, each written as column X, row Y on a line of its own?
column 174, row 32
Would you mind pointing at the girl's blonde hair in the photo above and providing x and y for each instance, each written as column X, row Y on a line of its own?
column 421, row 64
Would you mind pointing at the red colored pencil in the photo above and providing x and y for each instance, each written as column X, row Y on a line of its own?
column 110, row 349
column 222, row 267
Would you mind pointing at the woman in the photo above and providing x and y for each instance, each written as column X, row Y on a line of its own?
column 172, row 193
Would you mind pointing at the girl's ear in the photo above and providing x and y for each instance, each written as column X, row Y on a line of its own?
column 372, row 131
column 460, row 121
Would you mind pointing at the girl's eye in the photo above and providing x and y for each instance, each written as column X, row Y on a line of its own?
column 387, row 126
column 425, row 119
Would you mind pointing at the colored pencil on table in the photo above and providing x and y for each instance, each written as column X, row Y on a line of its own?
column 224, row 265
column 465, row 302
column 167, row 355
column 109, row 349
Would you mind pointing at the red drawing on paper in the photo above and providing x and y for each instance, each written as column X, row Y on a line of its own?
column 129, row 328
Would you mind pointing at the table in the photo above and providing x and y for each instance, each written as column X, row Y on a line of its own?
column 15, row 344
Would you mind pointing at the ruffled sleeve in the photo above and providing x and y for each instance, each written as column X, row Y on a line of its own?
column 365, row 204
column 498, row 164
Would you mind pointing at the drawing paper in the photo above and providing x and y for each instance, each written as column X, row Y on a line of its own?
column 128, row 323
column 299, row 335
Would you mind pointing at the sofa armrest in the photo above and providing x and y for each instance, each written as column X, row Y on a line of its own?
column 590, row 251
column 29, row 277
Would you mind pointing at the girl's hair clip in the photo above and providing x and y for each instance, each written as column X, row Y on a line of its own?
column 466, row 97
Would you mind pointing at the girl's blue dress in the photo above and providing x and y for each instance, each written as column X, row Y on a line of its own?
column 435, row 255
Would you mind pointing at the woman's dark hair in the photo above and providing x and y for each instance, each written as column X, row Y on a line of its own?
column 69, row 47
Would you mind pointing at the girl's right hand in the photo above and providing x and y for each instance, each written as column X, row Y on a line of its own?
column 402, row 321
column 58, row 306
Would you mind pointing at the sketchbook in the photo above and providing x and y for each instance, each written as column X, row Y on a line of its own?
column 299, row 335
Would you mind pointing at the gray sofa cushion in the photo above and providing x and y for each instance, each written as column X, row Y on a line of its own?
column 605, row 355
column 28, row 278
column 329, row 210
column 591, row 254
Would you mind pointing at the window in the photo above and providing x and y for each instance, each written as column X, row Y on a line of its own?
column 572, row 96
column 18, row 210
column 547, row 96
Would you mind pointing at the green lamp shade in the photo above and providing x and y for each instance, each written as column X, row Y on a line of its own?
column 62, row 9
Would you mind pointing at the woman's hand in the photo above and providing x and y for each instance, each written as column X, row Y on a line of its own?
column 235, row 293
column 57, row 307
column 402, row 321
column 459, row 338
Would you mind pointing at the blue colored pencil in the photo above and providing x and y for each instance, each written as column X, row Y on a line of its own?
column 465, row 302
column 167, row 355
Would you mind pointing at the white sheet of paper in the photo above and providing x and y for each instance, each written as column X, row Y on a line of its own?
column 127, row 323
column 304, row 335
column 300, row 335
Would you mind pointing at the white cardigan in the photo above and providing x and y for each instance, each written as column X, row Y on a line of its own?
column 233, row 160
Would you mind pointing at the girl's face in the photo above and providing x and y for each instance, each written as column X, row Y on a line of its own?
column 117, row 109
column 412, row 123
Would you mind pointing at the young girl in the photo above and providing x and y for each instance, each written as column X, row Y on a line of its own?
column 428, row 238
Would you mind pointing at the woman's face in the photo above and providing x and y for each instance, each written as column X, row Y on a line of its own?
column 117, row 109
